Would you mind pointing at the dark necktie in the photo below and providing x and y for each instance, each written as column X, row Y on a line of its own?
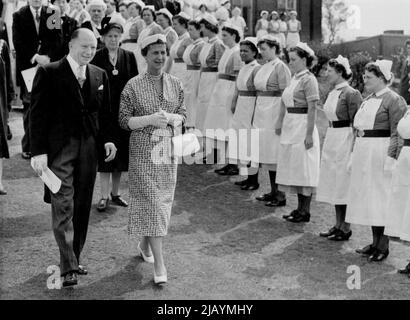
column 37, row 17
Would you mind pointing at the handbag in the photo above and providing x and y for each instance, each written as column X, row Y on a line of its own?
column 185, row 144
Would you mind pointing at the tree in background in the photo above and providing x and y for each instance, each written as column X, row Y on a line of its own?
column 335, row 14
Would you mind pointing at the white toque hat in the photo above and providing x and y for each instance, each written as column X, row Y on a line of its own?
column 252, row 40
column 306, row 48
column 184, row 16
column 345, row 63
column 99, row 3
column 211, row 19
column 165, row 12
column 385, row 67
column 232, row 26
column 152, row 39
column 263, row 12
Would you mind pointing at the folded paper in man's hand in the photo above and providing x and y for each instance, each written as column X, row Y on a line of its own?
column 51, row 180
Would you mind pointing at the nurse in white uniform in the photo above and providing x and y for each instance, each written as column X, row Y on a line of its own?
column 270, row 81
column 374, row 156
column 262, row 25
column 243, row 108
column 399, row 200
column 193, row 71
column 219, row 115
column 340, row 108
column 299, row 152
column 164, row 19
column 294, row 27
column 274, row 28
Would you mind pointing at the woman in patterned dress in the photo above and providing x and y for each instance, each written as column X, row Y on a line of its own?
column 152, row 107
column 243, row 108
column 219, row 114
column 340, row 108
column 151, row 28
column 374, row 156
column 270, row 81
column 299, row 151
column 193, row 71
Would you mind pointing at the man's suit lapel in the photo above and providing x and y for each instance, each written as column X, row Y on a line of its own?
column 28, row 17
column 94, row 80
column 73, row 87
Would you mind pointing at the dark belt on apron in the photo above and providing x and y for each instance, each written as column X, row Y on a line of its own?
column 406, row 143
column 179, row 60
column 373, row 133
column 340, row 124
column 300, row 110
column 192, row 67
column 227, row 77
column 209, row 69
column 268, row 93
column 129, row 41
column 247, row 93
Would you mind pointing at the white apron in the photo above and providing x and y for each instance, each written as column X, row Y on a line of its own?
column 293, row 36
column 267, row 111
column 207, row 83
column 264, row 30
column 219, row 114
column 191, row 88
column 398, row 207
column 242, row 118
column 369, row 184
column 296, row 165
column 178, row 68
column 334, row 177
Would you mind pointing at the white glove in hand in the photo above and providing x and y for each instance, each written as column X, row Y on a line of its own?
column 159, row 120
column 39, row 163
column 173, row 119
column 389, row 164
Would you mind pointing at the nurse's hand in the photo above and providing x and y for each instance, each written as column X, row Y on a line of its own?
column 308, row 142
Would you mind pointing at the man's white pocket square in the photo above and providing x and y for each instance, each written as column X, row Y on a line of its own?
column 101, row 87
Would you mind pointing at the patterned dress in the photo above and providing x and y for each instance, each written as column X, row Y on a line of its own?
column 152, row 169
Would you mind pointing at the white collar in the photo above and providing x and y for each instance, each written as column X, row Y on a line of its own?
column 381, row 92
column 341, row 85
column 33, row 11
column 74, row 66
column 301, row 73
column 212, row 40
column 183, row 36
column 197, row 41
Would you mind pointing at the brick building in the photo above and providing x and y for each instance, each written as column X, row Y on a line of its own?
column 309, row 13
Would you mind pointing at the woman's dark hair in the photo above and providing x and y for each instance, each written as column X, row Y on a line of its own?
column 233, row 32
column 137, row 6
column 195, row 24
column 150, row 10
column 371, row 67
column 271, row 44
column 340, row 69
column 166, row 17
column 251, row 46
column 144, row 51
column 203, row 5
column 210, row 27
column 182, row 21
column 303, row 54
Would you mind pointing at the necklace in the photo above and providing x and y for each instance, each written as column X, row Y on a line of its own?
column 113, row 61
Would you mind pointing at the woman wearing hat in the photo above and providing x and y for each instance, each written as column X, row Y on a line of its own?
column 340, row 107
column 193, row 71
column 374, row 157
column 274, row 28
column 219, row 114
column 209, row 57
column 238, row 20
column 152, row 107
column 270, row 80
column 120, row 66
column 175, row 65
column 164, row 19
column 398, row 205
column 243, row 107
column 151, row 28
column 262, row 25
column 294, row 27
column 96, row 9
column 299, row 151
column 133, row 26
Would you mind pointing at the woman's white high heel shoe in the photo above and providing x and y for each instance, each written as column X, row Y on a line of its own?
column 149, row 259
column 160, row 279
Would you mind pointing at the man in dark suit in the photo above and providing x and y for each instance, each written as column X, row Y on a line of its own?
column 70, row 109
column 158, row 4
column 68, row 25
column 405, row 75
column 37, row 40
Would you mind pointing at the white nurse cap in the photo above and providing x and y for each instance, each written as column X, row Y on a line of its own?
column 385, row 67
column 345, row 63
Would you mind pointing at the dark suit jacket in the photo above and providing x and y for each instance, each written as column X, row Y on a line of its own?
column 27, row 42
column 404, row 81
column 104, row 22
column 58, row 109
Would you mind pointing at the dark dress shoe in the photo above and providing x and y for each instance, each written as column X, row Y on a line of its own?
column 340, row 236
column 3, row 192
column 406, row 270
column 378, row 255
column 222, row 170
column 82, row 270
column 250, row 186
column 276, row 203
column 241, row 183
column 70, row 279
column 266, row 197
column 231, row 171
column 367, row 250
column 331, row 232
column 26, row 155
column 299, row 217
column 102, row 205
column 118, row 201
column 294, row 212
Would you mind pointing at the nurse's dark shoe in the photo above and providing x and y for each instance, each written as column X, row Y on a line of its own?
column 331, row 232
column 340, row 236
column 250, row 186
column 294, row 212
column 300, row 217
column 378, row 255
column 276, row 203
column 367, row 250
column 266, row 197
column 406, row 270
column 222, row 170
column 242, row 183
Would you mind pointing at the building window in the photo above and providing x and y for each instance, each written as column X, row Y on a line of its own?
column 287, row 5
